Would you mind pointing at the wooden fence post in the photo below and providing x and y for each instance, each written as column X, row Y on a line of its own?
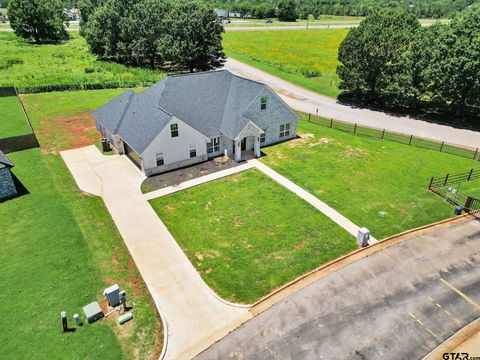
column 470, row 174
column 446, row 179
column 355, row 129
column 475, row 155
column 309, row 116
column 383, row 133
column 441, row 146
column 410, row 141
column 331, row 122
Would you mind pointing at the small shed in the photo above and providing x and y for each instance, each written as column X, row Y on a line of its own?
column 7, row 185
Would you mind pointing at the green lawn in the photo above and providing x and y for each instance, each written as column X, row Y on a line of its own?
column 12, row 119
column 293, row 55
column 247, row 235
column 60, row 249
column 360, row 177
column 26, row 64
column 324, row 20
column 62, row 120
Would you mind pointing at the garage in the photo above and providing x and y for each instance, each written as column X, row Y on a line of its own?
column 133, row 155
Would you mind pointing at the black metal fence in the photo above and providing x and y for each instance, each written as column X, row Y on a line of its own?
column 417, row 141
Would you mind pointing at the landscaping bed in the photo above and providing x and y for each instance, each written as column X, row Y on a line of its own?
column 379, row 184
column 248, row 235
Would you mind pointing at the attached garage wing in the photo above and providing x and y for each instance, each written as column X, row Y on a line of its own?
column 133, row 155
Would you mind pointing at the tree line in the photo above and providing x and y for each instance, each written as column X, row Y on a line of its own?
column 150, row 33
column 393, row 61
column 421, row 8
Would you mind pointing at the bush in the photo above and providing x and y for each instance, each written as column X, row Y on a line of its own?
column 310, row 73
column 89, row 70
column 9, row 62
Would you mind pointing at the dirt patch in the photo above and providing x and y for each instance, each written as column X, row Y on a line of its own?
column 199, row 256
column 322, row 141
column 306, row 136
column 299, row 246
column 353, row 152
column 67, row 133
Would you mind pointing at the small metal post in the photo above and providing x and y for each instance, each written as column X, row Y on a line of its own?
column 470, row 174
column 446, row 179
column 383, row 133
column 309, row 117
column 355, row 129
column 331, row 122
column 410, row 141
column 63, row 316
column 475, row 155
column 441, row 146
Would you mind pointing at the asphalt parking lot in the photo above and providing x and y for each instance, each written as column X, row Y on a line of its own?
column 399, row 303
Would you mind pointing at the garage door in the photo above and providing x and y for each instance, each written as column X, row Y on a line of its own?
column 133, row 155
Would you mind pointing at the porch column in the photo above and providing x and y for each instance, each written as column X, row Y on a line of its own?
column 256, row 146
column 238, row 150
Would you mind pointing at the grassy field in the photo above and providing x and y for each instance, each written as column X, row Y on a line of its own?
column 26, row 64
column 61, row 249
column 12, row 119
column 306, row 58
column 247, row 235
column 324, row 20
column 62, row 120
column 361, row 177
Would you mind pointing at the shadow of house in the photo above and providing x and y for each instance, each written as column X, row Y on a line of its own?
column 7, row 184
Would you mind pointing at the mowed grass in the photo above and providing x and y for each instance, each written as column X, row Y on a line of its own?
column 12, row 119
column 324, row 20
column 62, row 120
column 60, row 249
column 26, row 64
column 291, row 54
column 247, row 235
column 361, row 177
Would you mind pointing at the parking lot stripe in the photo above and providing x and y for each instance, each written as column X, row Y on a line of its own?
column 467, row 298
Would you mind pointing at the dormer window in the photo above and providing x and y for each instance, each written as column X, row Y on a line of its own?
column 263, row 103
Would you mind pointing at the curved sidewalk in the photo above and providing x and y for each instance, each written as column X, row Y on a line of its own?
column 194, row 317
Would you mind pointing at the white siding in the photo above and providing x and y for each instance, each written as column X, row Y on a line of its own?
column 176, row 150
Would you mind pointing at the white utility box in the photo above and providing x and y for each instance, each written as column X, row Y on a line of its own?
column 363, row 237
column 113, row 295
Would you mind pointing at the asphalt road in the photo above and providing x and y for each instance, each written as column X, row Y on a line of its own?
column 399, row 303
column 308, row 101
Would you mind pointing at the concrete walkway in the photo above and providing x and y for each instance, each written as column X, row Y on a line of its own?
column 312, row 200
column 308, row 101
column 194, row 317
column 198, row 181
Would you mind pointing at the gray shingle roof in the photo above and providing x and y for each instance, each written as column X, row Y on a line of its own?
column 210, row 102
column 4, row 161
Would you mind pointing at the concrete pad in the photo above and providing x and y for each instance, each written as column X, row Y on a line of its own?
column 194, row 317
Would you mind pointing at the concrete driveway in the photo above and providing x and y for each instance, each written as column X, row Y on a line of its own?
column 398, row 303
column 194, row 317
column 308, row 101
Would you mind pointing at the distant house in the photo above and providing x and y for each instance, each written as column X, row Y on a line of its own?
column 186, row 119
column 221, row 14
column 7, row 186
column 235, row 15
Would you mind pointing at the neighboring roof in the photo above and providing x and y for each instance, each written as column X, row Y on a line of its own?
column 210, row 102
column 4, row 162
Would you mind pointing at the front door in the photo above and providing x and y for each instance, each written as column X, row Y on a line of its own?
column 244, row 144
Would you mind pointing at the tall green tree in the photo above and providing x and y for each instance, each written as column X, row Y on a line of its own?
column 40, row 20
column 371, row 55
column 287, row 10
column 87, row 8
column 194, row 39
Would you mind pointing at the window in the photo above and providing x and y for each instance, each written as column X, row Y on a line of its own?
column 160, row 161
column 174, row 130
column 263, row 137
column 213, row 146
column 284, row 130
column 193, row 151
column 263, row 103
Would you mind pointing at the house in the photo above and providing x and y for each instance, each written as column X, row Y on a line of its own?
column 7, row 186
column 221, row 14
column 236, row 15
column 187, row 119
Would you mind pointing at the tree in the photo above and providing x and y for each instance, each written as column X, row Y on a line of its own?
column 194, row 39
column 87, row 8
column 40, row 20
column 371, row 55
column 287, row 10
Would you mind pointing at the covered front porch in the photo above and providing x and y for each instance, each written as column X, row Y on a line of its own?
column 246, row 145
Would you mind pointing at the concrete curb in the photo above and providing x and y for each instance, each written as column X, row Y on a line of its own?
column 304, row 280
column 455, row 340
